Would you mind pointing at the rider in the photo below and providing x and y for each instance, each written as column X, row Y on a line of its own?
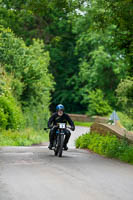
column 59, row 117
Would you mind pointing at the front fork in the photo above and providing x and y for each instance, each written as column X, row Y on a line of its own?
column 58, row 139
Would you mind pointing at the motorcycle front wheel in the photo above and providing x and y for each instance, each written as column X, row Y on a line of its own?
column 61, row 145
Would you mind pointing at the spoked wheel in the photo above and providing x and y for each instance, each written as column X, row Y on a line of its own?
column 61, row 145
column 55, row 152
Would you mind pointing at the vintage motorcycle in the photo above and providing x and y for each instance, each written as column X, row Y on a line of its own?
column 59, row 139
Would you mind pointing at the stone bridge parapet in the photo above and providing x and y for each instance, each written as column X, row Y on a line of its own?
column 104, row 128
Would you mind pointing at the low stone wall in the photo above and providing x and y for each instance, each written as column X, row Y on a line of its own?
column 85, row 118
column 80, row 118
column 112, row 129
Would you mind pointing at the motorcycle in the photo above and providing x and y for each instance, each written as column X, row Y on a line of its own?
column 59, row 139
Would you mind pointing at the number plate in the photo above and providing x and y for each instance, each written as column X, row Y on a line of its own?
column 62, row 125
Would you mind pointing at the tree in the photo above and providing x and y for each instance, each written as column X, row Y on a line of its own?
column 49, row 21
column 89, row 43
column 32, row 81
column 125, row 96
column 118, row 13
column 102, row 62
column 97, row 105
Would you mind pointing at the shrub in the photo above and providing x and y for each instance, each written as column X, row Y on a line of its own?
column 127, row 155
column 36, row 117
column 10, row 112
column 32, row 82
column 126, row 121
column 124, row 93
column 97, row 105
column 11, row 116
column 3, row 119
column 108, row 145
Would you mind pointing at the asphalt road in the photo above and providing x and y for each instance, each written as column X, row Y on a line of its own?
column 33, row 173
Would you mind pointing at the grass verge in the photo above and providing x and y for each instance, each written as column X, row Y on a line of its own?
column 109, row 146
column 87, row 124
column 126, row 121
column 25, row 137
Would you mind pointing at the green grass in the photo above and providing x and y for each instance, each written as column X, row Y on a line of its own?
column 126, row 121
column 26, row 137
column 87, row 124
column 109, row 146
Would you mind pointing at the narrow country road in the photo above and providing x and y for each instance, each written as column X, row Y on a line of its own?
column 33, row 173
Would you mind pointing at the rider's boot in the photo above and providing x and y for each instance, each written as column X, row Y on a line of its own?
column 50, row 146
column 68, row 134
column 65, row 147
column 51, row 140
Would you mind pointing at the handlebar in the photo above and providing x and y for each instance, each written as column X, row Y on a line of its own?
column 69, row 127
column 46, row 129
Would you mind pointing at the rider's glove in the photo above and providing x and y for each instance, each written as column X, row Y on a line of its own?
column 50, row 127
column 55, row 126
column 72, row 128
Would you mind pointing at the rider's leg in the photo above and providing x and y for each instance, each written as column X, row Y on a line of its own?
column 67, row 136
column 51, row 138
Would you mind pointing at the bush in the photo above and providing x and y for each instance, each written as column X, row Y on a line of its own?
column 124, row 93
column 10, row 112
column 31, row 82
column 36, row 117
column 126, row 121
column 97, row 105
column 11, row 116
column 108, row 145
column 3, row 119
column 127, row 155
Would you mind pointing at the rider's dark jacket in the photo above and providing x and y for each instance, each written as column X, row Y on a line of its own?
column 55, row 119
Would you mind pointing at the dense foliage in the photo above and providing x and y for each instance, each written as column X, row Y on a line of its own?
column 11, row 116
column 90, row 44
column 96, row 103
column 125, row 96
column 126, row 121
column 30, row 83
column 108, row 145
